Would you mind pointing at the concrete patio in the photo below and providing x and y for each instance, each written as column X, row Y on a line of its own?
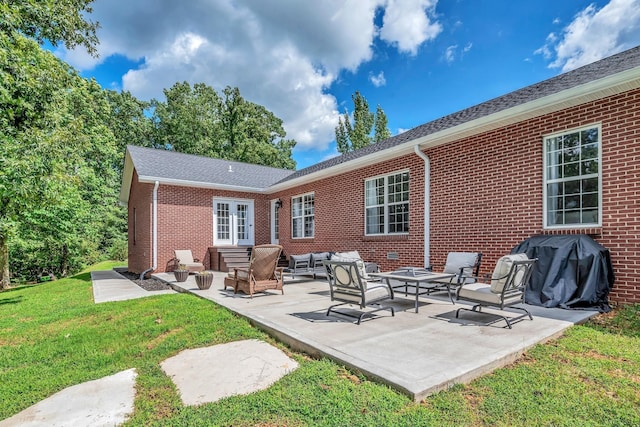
column 414, row 353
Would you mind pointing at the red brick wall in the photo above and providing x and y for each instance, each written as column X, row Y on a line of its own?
column 140, row 200
column 486, row 195
column 492, row 199
column 339, row 216
column 185, row 221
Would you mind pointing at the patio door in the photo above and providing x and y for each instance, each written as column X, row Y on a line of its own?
column 233, row 222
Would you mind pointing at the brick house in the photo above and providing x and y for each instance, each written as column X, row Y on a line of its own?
column 558, row 157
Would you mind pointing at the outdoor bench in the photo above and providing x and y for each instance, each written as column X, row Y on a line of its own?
column 311, row 264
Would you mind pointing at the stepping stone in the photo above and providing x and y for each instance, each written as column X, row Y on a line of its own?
column 209, row 374
column 106, row 401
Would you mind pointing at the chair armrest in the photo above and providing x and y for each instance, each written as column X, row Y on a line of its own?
column 300, row 264
column 279, row 272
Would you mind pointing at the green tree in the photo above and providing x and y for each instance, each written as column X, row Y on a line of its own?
column 382, row 131
column 55, row 21
column 128, row 120
column 253, row 134
column 198, row 120
column 188, row 121
column 353, row 136
column 32, row 84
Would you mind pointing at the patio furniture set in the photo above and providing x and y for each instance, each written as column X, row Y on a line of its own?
column 354, row 282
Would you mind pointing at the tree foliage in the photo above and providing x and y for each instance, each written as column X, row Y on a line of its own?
column 353, row 136
column 59, row 164
column 199, row 120
column 63, row 141
column 56, row 21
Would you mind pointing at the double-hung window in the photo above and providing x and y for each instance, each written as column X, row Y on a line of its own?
column 302, row 216
column 387, row 204
column 573, row 178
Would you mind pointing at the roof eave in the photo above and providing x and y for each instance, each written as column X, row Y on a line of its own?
column 199, row 184
column 607, row 86
column 127, row 176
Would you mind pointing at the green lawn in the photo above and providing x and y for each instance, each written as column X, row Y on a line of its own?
column 53, row 336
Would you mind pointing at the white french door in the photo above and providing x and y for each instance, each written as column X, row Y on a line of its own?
column 233, row 222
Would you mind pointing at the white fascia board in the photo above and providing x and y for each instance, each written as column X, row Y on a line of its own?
column 199, row 184
column 607, row 86
column 127, row 176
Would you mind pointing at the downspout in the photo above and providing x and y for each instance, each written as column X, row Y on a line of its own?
column 154, row 233
column 427, row 203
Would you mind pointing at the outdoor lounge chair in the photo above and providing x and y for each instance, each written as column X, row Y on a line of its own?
column 506, row 287
column 263, row 272
column 347, row 285
column 185, row 257
column 465, row 264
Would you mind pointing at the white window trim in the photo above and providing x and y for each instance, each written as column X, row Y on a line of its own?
column 386, row 203
column 302, row 196
column 545, row 212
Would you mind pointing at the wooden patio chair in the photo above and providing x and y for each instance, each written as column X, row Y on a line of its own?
column 347, row 286
column 505, row 288
column 262, row 274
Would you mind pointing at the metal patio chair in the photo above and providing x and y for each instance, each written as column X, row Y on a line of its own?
column 462, row 264
column 348, row 287
column 505, row 288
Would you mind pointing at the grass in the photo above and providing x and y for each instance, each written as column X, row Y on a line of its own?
column 53, row 336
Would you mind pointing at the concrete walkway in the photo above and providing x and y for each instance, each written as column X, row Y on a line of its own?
column 109, row 285
column 415, row 353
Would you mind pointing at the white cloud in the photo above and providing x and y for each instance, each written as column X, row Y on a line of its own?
column 409, row 23
column 377, row 79
column 450, row 53
column 594, row 34
column 283, row 55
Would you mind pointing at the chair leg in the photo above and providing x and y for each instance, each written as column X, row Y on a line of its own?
column 508, row 320
column 362, row 314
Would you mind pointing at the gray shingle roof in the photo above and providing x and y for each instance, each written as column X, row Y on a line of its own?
column 606, row 67
column 172, row 166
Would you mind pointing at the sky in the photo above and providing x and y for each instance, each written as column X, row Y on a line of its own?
column 303, row 59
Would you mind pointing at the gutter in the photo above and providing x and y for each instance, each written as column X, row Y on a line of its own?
column 427, row 203
column 154, row 235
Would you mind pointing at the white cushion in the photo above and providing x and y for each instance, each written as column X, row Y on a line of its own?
column 498, row 279
column 481, row 292
column 350, row 257
column 458, row 260
column 184, row 256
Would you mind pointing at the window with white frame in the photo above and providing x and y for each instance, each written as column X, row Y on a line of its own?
column 572, row 178
column 387, row 204
column 302, row 216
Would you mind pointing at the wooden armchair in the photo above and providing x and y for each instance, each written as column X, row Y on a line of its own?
column 263, row 272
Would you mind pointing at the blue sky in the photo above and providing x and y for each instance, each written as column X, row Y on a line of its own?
column 418, row 59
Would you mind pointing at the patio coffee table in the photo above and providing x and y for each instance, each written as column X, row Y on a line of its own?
column 419, row 279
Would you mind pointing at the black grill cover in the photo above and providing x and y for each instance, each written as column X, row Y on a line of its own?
column 573, row 271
